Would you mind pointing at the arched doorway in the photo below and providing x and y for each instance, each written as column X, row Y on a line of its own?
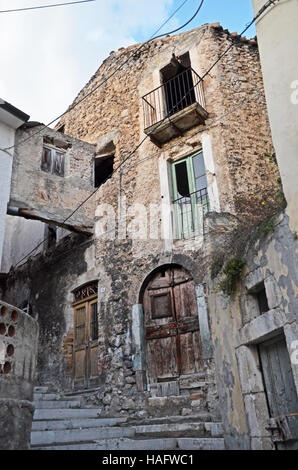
column 171, row 326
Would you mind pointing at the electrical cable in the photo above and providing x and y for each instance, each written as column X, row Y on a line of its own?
column 170, row 17
column 261, row 11
column 46, row 6
column 92, row 91
column 76, row 103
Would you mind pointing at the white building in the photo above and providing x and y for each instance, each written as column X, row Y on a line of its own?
column 277, row 34
column 10, row 119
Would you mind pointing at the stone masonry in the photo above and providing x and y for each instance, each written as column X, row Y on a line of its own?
column 236, row 142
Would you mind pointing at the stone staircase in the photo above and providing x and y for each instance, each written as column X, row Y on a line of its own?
column 60, row 423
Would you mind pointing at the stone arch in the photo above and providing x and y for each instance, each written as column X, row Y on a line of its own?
column 155, row 271
column 166, row 326
column 191, row 266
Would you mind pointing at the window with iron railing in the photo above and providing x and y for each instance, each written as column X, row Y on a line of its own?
column 190, row 195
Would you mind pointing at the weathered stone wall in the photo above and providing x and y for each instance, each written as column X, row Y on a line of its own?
column 235, row 137
column 48, row 197
column 47, row 282
column 237, row 326
column 18, row 354
column 234, row 95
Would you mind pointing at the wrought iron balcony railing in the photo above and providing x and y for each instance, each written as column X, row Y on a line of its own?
column 189, row 213
column 173, row 96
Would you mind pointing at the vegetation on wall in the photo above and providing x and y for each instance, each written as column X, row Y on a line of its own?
column 233, row 271
column 257, row 214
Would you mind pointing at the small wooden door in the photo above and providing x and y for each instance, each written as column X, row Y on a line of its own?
column 280, row 389
column 172, row 335
column 85, row 360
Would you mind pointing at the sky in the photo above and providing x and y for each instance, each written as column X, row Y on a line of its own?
column 48, row 55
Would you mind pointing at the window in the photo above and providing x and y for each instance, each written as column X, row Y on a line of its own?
column 103, row 169
column 50, row 235
column 262, row 300
column 190, row 195
column 178, row 84
column 53, row 160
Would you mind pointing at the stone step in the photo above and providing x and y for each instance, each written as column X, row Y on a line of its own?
column 53, row 424
column 47, row 396
column 180, row 430
column 143, row 444
column 193, row 418
column 171, row 430
column 117, row 444
column 214, row 443
column 68, row 436
column 192, row 429
column 57, row 404
column 65, row 413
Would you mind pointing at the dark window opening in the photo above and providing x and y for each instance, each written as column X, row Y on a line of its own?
column 103, row 169
column 51, row 235
column 182, row 179
column 61, row 129
column 178, row 80
column 262, row 299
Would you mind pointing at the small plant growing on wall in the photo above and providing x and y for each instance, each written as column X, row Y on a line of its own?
column 233, row 272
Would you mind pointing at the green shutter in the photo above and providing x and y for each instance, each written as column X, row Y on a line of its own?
column 188, row 211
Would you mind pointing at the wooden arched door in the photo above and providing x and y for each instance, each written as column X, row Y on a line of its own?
column 172, row 336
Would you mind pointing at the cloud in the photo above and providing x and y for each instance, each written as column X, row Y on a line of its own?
column 48, row 55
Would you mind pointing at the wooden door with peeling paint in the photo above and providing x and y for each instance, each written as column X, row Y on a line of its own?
column 173, row 346
column 85, row 351
column 281, row 392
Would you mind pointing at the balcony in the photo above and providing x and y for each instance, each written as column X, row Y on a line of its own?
column 174, row 107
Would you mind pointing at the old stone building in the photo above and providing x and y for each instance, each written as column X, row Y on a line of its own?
column 157, row 295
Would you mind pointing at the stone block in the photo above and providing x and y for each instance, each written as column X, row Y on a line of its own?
column 249, row 308
column 262, row 327
column 257, row 414
column 273, row 292
column 201, row 444
column 259, row 443
column 249, row 369
column 291, row 334
column 253, row 279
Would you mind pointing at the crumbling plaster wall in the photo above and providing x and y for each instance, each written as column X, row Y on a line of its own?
column 21, row 236
column 237, row 327
column 47, row 196
column 18, row 354
column 47, row 281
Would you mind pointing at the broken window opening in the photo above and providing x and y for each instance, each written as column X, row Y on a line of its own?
column 53, row 160
column 51, row 236
column 262, row 300
column 103, row 169
column 178, row 84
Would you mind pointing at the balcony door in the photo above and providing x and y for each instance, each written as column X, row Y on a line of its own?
column 190, row 196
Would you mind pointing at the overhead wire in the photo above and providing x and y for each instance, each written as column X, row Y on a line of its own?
column 92, row 91
column 39, row 7
column 261, row 11
column 76, row 103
